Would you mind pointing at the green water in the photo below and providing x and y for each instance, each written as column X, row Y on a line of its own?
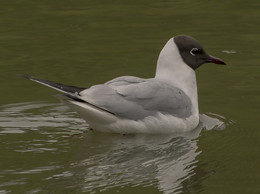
column 46, row 148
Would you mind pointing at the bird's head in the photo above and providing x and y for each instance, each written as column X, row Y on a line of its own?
column 193, row 53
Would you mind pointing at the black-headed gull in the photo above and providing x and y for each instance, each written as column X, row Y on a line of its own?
column 166, row 103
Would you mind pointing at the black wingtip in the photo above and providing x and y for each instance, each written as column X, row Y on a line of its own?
column 58, row 86
column 25, row 76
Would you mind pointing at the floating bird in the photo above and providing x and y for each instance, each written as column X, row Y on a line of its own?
column 167, row 103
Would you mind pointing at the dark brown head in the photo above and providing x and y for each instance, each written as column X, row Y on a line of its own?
column 193, row 53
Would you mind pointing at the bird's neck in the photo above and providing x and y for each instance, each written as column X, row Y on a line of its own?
column 172, row 69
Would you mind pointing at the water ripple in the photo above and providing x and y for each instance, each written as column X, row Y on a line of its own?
column 24, row 115
column 96, row 161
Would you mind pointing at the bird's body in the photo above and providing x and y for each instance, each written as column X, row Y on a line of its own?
column 166, row 103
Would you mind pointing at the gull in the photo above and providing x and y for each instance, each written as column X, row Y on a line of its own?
column 167, row 103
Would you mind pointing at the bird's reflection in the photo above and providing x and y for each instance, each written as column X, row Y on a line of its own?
column 104, row 161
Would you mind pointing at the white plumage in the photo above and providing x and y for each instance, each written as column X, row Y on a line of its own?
column 167, row 103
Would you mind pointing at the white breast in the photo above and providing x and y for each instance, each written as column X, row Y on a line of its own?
column 172, row 69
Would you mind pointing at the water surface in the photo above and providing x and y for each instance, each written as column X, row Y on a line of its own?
column 46, row 148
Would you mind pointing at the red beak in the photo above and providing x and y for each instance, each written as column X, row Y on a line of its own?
column 215, row 60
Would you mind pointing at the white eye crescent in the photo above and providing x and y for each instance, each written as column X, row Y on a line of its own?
column 194, row 51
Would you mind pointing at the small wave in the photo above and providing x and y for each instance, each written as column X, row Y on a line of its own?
column 229, row 51
column 16, row 118
column 213, row 121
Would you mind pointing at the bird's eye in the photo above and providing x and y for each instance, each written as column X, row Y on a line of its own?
column 194, row 51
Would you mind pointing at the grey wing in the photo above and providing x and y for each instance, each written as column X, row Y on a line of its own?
column 135, row 98
column 125, row 80
column 155, row 96
column 107, row 97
